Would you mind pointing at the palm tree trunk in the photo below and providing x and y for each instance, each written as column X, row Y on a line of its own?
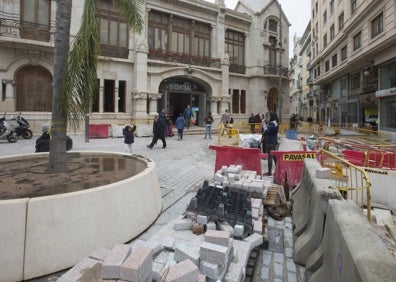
column 57, row 154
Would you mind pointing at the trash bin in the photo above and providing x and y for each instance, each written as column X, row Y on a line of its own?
column 98, row 130
column 291, row 134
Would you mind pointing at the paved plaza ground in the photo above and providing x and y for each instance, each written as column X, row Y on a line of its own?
column 182, row 168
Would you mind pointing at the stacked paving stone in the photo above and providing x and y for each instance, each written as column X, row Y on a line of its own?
column 246, row 180
column 213, row 256
column 188, row 249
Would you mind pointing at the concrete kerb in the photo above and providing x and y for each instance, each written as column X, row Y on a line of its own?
column 351, row 249
column 310, row 200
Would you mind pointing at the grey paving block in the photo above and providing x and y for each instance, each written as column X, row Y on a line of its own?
column 183, row 252
column 100, row 254
column 182, row 224
column 111, row 265
column 184, row 271
column 138, row 266
column 254, row 241
column 208, row 269
column 168, row 243
column 78, row 270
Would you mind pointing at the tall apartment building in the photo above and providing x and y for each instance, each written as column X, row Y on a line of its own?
column 295, row 76
column 190, row 52
column 309, row 100
column 353, row 62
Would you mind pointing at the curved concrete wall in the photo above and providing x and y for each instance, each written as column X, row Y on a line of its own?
column 351, row 249
column 333, row 239
column 310, row 199
column 55, row 232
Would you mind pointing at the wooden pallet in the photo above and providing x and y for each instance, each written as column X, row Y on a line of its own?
column 275, row 196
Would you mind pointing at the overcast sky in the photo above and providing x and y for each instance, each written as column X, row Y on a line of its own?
column 298, row 12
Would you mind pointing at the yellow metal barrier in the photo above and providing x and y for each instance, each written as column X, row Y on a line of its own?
column 352, row 181
column 227, row 135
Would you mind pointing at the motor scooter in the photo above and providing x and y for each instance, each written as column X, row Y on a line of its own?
column 7, row 131
column 23, row 127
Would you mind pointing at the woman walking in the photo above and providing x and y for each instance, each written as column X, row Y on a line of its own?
column 271, row 136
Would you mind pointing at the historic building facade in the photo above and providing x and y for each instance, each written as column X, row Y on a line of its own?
column 353, row 62
column 191, row 52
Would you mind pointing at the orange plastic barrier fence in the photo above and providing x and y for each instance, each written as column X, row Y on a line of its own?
column 249, row 158
column 290, row 164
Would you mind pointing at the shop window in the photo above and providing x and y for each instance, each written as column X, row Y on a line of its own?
column 388, row 113
column 388, row 76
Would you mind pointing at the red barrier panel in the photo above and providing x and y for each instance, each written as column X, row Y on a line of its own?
column 248, row 158
column 98, row 130
column 290, row 164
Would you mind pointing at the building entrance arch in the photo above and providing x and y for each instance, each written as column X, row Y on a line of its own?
column 33, row 89
column 178, row 92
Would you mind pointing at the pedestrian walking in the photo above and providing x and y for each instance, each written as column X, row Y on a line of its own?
column 264, row 125
column 158, row 132
column 271, row 134
column 208, row 125
column 226, row 121
column 251, row 122
column 129, row 138
column 180, row 123
column 188, row 114
column 162, row 116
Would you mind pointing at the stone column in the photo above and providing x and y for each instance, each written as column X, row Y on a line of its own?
column 9, row 90
column 101, row 98
column 225, row 84
column 139, row 105
column 213, row 105
column 116, row 98
column 153, row 97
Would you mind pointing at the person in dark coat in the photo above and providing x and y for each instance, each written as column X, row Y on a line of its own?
column 129, row 138
column 158, row 132
column 180, row 123
column 251, row 122
column 43, row 142
column 271, row 135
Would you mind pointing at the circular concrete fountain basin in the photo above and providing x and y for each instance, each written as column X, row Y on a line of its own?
column 42, row 235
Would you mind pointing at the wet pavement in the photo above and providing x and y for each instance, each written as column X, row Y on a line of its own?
column 182, row 167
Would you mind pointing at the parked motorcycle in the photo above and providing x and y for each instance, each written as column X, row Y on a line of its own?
column 7, row 131
column 23, row 127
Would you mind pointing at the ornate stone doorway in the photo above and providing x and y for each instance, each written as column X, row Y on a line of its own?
column 33, row 89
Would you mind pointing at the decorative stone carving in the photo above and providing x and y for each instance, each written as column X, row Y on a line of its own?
column 225, row 99
column 34, row 57
column 154, row 95
column 137, row 95
column 225, row 60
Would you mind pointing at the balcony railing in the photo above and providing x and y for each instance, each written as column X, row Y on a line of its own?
column 26, row 30
column 276, row 70
column 157, row 54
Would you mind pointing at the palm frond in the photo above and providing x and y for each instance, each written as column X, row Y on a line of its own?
column 81, row 76
column 133, row 11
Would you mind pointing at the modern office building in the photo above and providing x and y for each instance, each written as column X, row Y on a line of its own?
column 353, row 62
column 191, row 52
